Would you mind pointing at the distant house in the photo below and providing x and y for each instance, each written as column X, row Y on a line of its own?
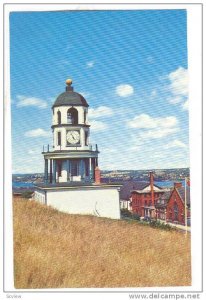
column 148, row 199
column 176, row 205
column 22, row 193
column 17, row 194
column 125, row 192
column 161, row 206
column 144, row 197
column 171, row 205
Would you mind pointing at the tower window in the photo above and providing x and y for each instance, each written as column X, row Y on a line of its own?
column 59, row 138
column 74, row 168
column 72, row 116
column 59, row 168
column 59, row 117
column 86, row 138
column 85, row 115
column 69, row 118
column 87, row 167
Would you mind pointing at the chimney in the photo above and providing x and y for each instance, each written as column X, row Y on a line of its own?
column 177, row 184
column 152, row 186
column 97, row 175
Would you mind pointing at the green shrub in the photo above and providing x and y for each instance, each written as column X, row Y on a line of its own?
column 126, row 213
column 136, row 217
column 27, row 194
column 158, row 224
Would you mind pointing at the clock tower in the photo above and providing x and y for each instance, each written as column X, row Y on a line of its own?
column 72, row 158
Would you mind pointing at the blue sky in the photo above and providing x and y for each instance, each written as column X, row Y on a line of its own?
column 131, row 66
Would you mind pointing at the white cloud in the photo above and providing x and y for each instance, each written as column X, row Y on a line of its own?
column 100, row 111
column 37, row 133
column 145, row 121
column 33, row 151
column 175, row 144
column 124, row 90
column 158, row 133
column 31, row 101
column 179, row 82
column 175, row 100
column 84, row 94
column 154, row 93
column 98, row 125
column 135, row 148
column 185, row 106
column 153, row 128
column 65, row 62
column 150, row 59
column 106, row 150
column 158, row 155
column 142, row 121
column 166, row 122
column 90, row 64
column 178, row 87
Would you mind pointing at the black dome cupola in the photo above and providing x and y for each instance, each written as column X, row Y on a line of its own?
column 70, row 98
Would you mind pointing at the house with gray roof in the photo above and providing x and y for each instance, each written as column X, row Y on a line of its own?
column 174, row 206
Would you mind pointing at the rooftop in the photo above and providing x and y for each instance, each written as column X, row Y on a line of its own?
column 70, row 98
column 181, row 192
column 73, row 185
column 128, row 186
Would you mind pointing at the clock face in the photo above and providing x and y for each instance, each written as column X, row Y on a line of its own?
column 73, row 137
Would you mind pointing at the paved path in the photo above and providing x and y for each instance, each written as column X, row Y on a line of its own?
column 178, row 226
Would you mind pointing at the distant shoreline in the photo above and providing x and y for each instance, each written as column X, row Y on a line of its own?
column 27, row 185
column 19, row 184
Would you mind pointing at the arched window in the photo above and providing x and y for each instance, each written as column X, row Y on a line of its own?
column 69, row 118
column 86, row 138
column 72, row 116
column 87, row 167
column 59, row 168
column 59, row 138
column 85, row 116
column 74, row 168
column 59, row 117
column 176, row 211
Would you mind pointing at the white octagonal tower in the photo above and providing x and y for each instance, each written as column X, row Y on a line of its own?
column 72, row 158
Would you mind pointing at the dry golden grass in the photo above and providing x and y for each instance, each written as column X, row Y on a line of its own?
column 57, row 250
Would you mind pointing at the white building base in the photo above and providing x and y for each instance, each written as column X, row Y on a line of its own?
column 97, row 200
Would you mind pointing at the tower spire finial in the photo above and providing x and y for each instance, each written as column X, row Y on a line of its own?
column 69, row 83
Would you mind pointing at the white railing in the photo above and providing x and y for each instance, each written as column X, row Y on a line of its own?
column 90, row 147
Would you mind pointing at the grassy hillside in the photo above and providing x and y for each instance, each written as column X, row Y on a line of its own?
column 56, row 250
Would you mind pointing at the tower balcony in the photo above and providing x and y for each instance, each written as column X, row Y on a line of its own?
column 71, row 153
column 48, row 149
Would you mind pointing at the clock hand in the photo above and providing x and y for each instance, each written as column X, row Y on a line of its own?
column 74, row 138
